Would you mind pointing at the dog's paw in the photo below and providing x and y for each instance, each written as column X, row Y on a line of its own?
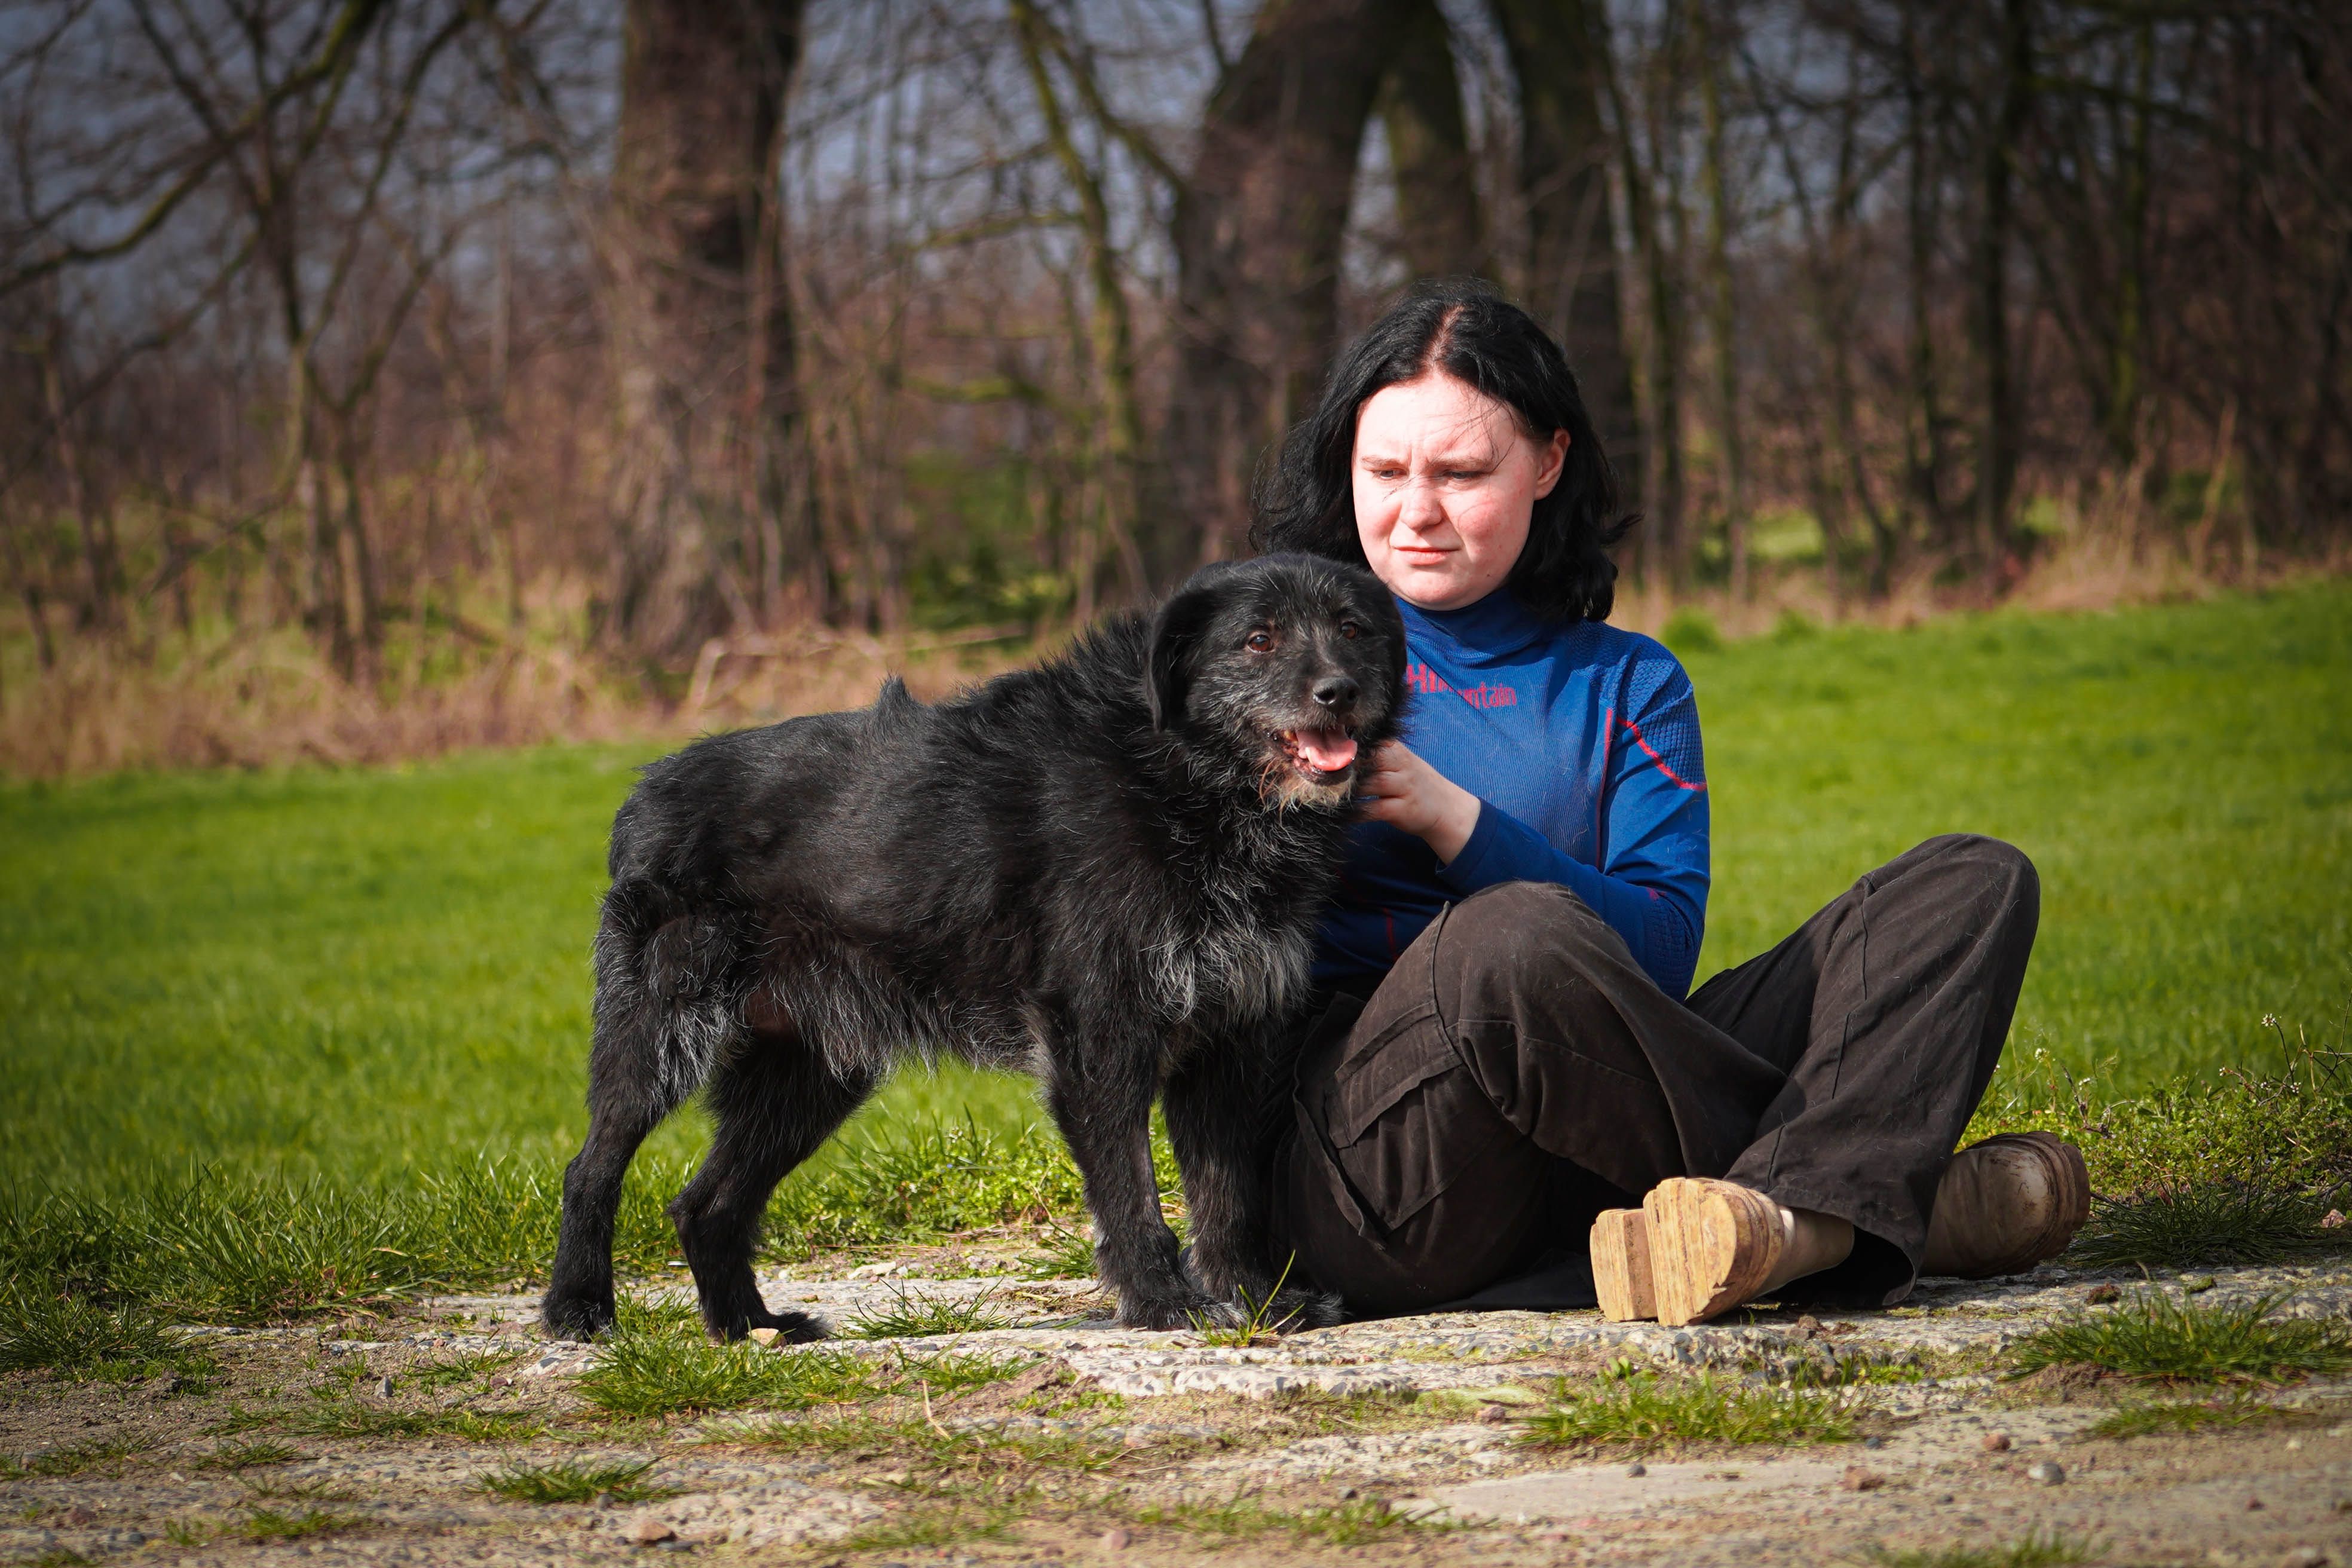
column 576, row 1317
column 1295, row 1310
column 792, row 1327
column 1164, row 1314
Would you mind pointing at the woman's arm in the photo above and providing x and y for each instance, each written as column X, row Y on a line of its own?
column 1652, row 883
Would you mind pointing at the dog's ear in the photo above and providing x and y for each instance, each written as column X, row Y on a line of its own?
column 1176, row 634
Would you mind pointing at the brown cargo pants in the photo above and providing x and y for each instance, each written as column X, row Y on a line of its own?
column 1453, row 1133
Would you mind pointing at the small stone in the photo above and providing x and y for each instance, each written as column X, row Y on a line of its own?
column 2048, row 1473
column 79, row 1515
column 2100, row 1295
column 1117, row 1540
column 1874, row 1442
column 1637, row 1468
column 1810, row 1327
column 768, row 1336
column 1995, row 1443
column 1493, row 1414
column 2195, row 1284
column 1943, row 1497
column 1348, row 1494
column 2294, row 1445
column 647, row 1531
column 384, row 1383
column 1857, row 1479
column 2342, row 1505
column 2332, row 1220
column 2304, row 1557
column 2253, row 1505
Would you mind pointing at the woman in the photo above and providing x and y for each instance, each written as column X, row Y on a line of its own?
column 1506, row 1100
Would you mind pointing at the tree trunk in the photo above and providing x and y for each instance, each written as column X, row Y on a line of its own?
column 1257, row 232
column 1722, row 307
column 1429, row 145
column 1997, row 411
column 1666, row 545
column 1558, row 54
column 1923, row 433
column 701, row 335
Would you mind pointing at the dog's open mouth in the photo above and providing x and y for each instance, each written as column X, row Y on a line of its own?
column 1321, row 754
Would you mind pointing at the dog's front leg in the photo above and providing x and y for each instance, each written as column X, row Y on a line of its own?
column 1100, row 1093
column 1220, row 1103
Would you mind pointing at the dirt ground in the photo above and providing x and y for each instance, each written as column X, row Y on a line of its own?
column 365, row 1441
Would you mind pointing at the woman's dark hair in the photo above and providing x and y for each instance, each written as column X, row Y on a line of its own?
column 1460, row 326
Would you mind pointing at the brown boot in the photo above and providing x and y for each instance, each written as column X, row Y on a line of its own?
column 2005, row 1204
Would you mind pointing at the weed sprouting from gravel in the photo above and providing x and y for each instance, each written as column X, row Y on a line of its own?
column 1644, row 1411
column 74, row 1459
column 2029, row 1552
column 462, row 1369
column 913, row 1317
column 2223, row 1223
column 933, row 1526
column 1068, row 1253
column 1350, row 1524
column 73, row 1337
column 245, row 1456
column 271, row 1524
column 953, row 1374
column 343, row 1418
column 2240, row 1409
column 2150, row 1336
column 659, row 1363
column 568, row 1480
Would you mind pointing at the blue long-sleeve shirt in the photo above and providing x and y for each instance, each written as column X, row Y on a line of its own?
column 1582, row 742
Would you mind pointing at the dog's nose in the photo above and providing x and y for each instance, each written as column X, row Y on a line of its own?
column 1334, row 689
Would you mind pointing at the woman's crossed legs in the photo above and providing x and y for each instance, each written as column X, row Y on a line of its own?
column 1517, row 1074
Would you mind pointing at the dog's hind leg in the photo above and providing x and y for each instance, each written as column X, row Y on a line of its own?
column 775, row 1100
column 628, row 1096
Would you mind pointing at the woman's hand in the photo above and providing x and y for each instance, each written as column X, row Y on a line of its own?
column 1407, row 794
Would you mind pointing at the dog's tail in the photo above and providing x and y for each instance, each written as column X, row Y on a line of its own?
column 669, row 979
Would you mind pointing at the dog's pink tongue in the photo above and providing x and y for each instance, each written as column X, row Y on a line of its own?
column 1328, row 749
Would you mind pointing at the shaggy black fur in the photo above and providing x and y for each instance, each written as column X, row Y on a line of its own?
column 1107, row 871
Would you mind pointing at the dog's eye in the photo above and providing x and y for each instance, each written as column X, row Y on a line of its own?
column 1349, row 629
column 1261, row 642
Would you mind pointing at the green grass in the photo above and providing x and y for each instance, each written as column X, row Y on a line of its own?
column 265, row 1029
column 74, row 1459
column 245, row 1456
column 1352, row 1523
column 76, row 1338
column 2238, row 1409
column 658, row 1363
column 2153, row 1337
column 1647, row 1412
column 568, row 1480
column 2036, row 1551
column 909, row 1316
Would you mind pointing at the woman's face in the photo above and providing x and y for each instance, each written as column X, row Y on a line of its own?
column 1444, row 482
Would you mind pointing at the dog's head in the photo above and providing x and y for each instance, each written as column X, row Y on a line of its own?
column 1287, row 670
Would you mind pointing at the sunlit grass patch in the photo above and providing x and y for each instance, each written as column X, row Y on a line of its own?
column 273, row 1524
column 934, row 1524
column 2036, row 1551
column 461, row 1369
column 76, row 1338
column 954, row 1373
column 349, row 1419
column 1005, row 1449
column 658, row 1363
column 74, row 1459
column 567, row 1480
column 1644, row 1411
column 2151, row 1336
column 2239, row 1409
column 912, row 1317
column 1067, row 1252
column 2212, row 1223
column 1350, row 1524
column 243, row 1457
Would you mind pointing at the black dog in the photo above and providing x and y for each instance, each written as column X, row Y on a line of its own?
column 1107, row 871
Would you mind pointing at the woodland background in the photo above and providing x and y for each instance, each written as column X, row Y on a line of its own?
column 378, row 376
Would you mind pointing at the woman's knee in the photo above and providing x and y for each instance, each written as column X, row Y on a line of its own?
column 1993, row 869
column 1494, row 943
